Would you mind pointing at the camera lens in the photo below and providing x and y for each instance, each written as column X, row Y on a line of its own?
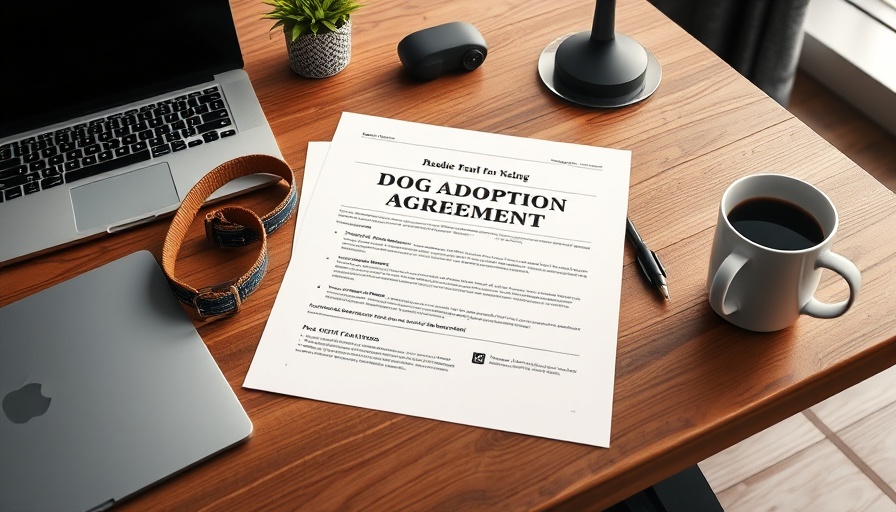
column 473, row 59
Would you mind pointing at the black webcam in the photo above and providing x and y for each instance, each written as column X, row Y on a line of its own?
column 429, row 53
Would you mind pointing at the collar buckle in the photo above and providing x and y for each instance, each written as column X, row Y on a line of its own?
column 218, row 301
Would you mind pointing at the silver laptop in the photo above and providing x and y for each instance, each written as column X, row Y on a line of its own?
column 108, row 119
column 106, row 389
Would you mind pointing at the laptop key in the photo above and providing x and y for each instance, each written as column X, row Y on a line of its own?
column 161, row 150
column 12, row 193
column 213, row 125
column 51, row 182
column 10, row 164
column 211, row 116
column 32, row 187
column 109, row 165
column 12, row 181
column 55, row 170
column 86, row 140
column 11, row 171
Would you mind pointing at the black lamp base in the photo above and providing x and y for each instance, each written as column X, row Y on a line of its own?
column 602, row 74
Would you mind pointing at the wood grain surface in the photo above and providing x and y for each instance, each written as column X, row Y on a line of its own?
column 687, row 383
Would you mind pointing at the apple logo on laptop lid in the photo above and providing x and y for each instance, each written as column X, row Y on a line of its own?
column 27, row 402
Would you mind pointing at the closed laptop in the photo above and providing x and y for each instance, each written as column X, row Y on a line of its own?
column 106, row 389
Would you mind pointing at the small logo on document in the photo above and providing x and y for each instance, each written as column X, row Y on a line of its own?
column 478, row 358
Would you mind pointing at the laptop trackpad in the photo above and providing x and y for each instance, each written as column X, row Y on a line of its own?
column 127, row 197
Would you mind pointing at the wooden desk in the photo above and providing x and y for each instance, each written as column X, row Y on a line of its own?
column 687, row 384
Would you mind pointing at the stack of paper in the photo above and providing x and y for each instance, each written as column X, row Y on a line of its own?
column 457, row 275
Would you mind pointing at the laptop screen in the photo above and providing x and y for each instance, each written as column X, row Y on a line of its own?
column 67, row 58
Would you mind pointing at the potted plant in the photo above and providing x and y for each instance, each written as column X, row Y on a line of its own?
column 318, row 34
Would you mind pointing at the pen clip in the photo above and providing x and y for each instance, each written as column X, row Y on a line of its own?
column 659, row 263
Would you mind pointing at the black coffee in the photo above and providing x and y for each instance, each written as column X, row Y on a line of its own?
column 775, row 223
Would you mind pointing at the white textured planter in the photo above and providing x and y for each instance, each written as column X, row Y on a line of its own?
column 321, row 55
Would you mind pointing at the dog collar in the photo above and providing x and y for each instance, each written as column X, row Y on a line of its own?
column 228, row 226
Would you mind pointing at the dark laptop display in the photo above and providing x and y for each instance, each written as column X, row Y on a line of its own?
column 66, row 58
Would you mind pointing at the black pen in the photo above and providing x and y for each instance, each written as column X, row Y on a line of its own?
column 648, row 260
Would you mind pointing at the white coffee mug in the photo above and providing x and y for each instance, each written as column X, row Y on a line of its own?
column 763, row 288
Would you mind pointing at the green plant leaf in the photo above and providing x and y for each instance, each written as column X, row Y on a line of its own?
column 299, row 17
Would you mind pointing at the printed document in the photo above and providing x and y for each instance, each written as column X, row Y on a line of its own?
column 456, row 275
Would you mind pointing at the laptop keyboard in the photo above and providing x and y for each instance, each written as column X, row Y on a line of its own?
column 105, row 144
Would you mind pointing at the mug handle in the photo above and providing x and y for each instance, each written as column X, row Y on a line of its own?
column 721, row 281
column 849, row 272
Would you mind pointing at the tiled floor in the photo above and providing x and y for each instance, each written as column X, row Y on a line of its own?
column 839, row 455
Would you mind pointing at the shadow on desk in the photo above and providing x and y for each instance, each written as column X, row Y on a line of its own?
column 687, row 491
